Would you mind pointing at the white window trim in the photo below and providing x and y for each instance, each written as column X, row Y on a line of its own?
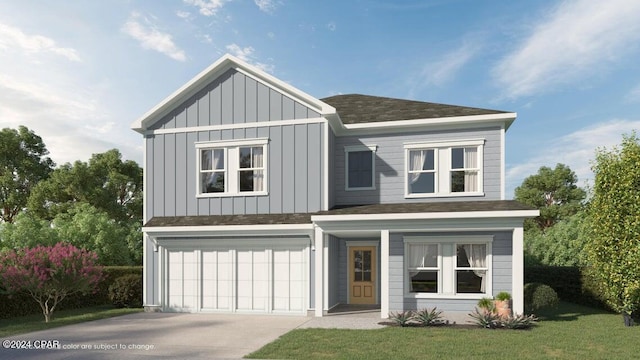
column 441, row 168
column 353, row 148
column 231, row 156
column 447, row 264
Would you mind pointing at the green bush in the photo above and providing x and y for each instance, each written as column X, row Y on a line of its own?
column 426, row 317
column 571, row 283
column 126, row 291
column 537, row 296
column 23, row 304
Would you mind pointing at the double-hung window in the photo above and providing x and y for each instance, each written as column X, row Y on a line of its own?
column 448, row 266
column 452, row 168
column 360, row 163
column 236, row 167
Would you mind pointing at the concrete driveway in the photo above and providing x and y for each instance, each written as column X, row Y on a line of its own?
column 155, row 335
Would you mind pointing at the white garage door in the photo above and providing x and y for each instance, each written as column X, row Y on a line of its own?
column 246, row 279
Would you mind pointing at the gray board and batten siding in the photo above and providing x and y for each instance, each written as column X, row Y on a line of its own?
column 390, row 165
column 295, row 157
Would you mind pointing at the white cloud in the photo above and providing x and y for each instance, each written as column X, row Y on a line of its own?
column 12, row 37
column 268, row 6
column 183, row 14
column 578, row 38
column 331, row 26
column 576, row 150
column 246, row 54
column 443, row 70
column 151, row 38
column 207, row 8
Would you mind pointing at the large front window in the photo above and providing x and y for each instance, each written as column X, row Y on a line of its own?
column 444, row 169
column 232, row 167
column 448, row 265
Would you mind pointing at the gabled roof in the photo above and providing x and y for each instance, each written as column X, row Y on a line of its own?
column 356, row 108
column 214, row 71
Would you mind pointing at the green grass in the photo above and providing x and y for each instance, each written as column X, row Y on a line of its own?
column 567, row 332
column 25, row 324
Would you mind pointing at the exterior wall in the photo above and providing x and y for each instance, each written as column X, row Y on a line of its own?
column 500, row 274
column 333, row 270
column 390, row 166
column 294, row 173
column 234, row 98
column 332, row 171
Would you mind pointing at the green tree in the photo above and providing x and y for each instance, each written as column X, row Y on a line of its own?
column 554, row 192
column 106, row 182
column 49, row 274
column 23, row 163
column 613, row 248
column 559, row 245
column 92, row 229
column 27, row 231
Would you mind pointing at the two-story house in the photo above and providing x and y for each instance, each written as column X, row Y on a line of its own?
column 261, row 198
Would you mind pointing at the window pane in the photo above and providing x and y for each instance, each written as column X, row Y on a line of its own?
column 205, row 159
column 429, row 161
column 470, row 281
column 423, row 255
column 256, row 157
column 246, row 180
column 357, row 265
column 424, row 281
column 457, row 158
column 457, row 181
column 424, row 183
column 212, row 182
column 360, row 170
column 471, row 255
column 218, row 159
column 245, row 157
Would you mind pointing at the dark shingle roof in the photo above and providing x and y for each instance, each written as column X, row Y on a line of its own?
column 431, row 207
column 356, row 108
column 265, row 219
column 216, row 220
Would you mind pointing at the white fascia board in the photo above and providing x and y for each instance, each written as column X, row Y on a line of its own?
column 504, row 119
column 213, row 71
column 229, row 230
column 427, row 216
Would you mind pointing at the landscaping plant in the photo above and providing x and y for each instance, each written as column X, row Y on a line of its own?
column 49, row 273
column 402, row 318
column 426, row 317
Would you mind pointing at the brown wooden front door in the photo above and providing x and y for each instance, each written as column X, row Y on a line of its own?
column 362, row 275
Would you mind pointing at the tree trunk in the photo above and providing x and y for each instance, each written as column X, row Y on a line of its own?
column 628, row 320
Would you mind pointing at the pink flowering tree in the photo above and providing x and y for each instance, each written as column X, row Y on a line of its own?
column 49, row 273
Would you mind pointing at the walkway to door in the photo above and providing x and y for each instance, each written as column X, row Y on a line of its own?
column 348, row 316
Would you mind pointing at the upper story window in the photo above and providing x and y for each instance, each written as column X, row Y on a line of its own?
column 360, row 163
column 237, row 167
column 445, row 266
column 444, row 168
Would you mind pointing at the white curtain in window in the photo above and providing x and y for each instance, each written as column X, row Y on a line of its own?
column 218, row 159
column 471, row 177
column 417, row 159
column 477, row 257
column 257, row 162
column 420, row 255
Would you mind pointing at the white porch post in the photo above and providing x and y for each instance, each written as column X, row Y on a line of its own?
column 517, row 277
column 319, row 271
column 384, row 274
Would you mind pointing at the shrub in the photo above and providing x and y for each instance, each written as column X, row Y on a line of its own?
column 518, row 321
column 537, row 296
column 402, row 318
column 126, row 291
column 485, row 319
column 426, row 317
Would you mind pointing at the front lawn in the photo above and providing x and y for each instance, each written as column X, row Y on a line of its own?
column 567, row 332
column 25, row 324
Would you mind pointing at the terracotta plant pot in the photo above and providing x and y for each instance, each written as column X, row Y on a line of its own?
column 502, row 308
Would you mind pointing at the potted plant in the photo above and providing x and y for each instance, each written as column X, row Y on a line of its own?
column 501, row 304
column 487, row 305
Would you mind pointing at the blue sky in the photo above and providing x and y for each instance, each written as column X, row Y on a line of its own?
column 79, row 73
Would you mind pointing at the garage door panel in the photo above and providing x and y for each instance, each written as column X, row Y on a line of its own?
column 246, row 279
